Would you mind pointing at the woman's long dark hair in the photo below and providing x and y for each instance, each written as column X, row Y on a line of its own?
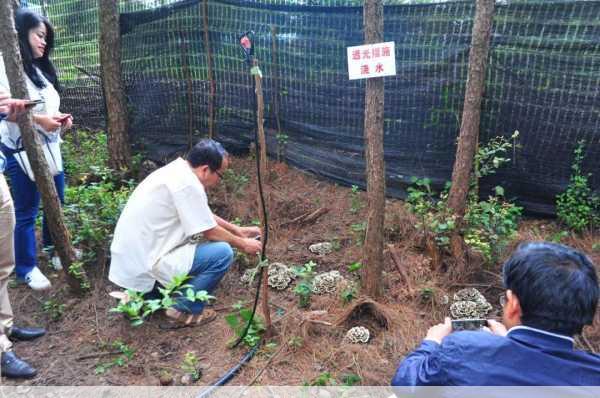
column 25, row 20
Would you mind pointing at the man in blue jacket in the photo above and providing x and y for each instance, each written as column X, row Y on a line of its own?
column 552, row 292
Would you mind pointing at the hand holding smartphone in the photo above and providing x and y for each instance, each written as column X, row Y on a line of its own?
column 64, row 118
column 32, row 103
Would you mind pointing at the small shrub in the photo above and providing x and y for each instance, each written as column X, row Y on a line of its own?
column 125, row 356
column 303, row 289
column 191, row 365
column 577, row 207
column 238, row 321
column 53, row 309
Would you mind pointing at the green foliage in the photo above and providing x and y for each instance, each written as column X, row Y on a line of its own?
column 76, row 271
column 559, row 236
column 91, row 211
column 489, row 225
column 427, row 294
column 577, row 207
column 235, row 182
column 324, row 379
column 304, row 288
column 351, row 379
column 348, row 294
column 355, row 202
column 84, row 153
column 191, row 365
column 355, row 266
column 238, row 321
column 359, row 230
column 121, row 360
column 137, row 308
column 53, row 309
column 434, row 217
column 282, row 140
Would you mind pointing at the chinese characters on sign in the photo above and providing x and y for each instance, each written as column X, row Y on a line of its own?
column 371, row 60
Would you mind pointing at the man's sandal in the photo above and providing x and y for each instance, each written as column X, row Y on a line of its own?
column 179, row 320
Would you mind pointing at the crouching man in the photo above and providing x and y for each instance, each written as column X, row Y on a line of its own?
column 552, row 292
column 156, row 236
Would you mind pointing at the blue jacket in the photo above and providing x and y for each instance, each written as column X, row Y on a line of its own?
column 525, row 357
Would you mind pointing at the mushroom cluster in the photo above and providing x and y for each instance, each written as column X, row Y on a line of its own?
column 327, row 282
column 469, row 303
column 358, row 335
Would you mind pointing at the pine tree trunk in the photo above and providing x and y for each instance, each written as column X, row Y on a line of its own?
column 469, row 129
column 373, row 132
column 116, row 106
column 75, row 274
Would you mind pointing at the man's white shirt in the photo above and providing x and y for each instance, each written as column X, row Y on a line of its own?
column 167, row 208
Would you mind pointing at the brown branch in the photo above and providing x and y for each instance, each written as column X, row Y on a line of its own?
column 261, row 371
column 97, row 355
column 398, row 263
column 306, row 218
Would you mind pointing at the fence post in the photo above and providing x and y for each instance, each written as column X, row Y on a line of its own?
column 211, row 78
column 275, row 88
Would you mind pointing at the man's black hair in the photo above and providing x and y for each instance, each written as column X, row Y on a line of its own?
column 556, row 285
column 207, row 152
column 25, row 20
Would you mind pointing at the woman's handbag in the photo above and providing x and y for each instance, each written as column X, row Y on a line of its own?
column 51, row 152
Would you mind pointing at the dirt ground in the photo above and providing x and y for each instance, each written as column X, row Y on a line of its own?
column 81, row 339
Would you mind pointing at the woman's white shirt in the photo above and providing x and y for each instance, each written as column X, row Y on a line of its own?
column 10, row 133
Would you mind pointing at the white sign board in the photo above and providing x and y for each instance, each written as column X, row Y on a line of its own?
column 371, row 60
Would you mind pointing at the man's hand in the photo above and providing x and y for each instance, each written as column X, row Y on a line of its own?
column 250, row 246
column 12, row 107
column 438, row 332
column 497, row 328
column 249, row 232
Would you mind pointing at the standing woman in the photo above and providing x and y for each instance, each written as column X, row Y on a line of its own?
column 36, row 41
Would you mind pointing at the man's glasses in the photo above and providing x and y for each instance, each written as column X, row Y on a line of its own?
column 502, row 300
column 219, row 174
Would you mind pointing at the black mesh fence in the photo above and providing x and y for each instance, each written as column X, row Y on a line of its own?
column 543, row 80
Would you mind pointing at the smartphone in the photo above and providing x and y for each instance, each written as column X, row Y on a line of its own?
column 468, row 324
column 64, row 118
column 31, row 103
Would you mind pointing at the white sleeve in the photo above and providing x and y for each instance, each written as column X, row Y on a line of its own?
column 191, row 204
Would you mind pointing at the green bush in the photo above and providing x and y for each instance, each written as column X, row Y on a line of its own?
column 578, row 207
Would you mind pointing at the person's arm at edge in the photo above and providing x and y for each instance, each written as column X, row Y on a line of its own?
column 424, row 367
column 219, row 233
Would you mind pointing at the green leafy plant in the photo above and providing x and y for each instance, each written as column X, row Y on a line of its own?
column 282, row 140
column 304, row 287
column 351, row 379
column 578, row 207
column 237, row 321
column 323, row 379
column 78, row 273
column 348, row 294
column 355, row 266
column 191, row 365
column 53, row 308
column 136, row 308
column 355, row 203
column 126, row 354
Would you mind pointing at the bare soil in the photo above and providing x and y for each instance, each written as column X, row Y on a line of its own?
column 307, row 343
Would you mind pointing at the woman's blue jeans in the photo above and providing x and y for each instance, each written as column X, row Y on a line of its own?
column 26, row 198
column 211, row 262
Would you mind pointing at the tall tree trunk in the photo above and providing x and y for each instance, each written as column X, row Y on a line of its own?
column 75, row 274
column 469, row 129
column 373, row 131
column 112, row 85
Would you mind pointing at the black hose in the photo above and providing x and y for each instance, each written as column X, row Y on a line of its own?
column 230, row 373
